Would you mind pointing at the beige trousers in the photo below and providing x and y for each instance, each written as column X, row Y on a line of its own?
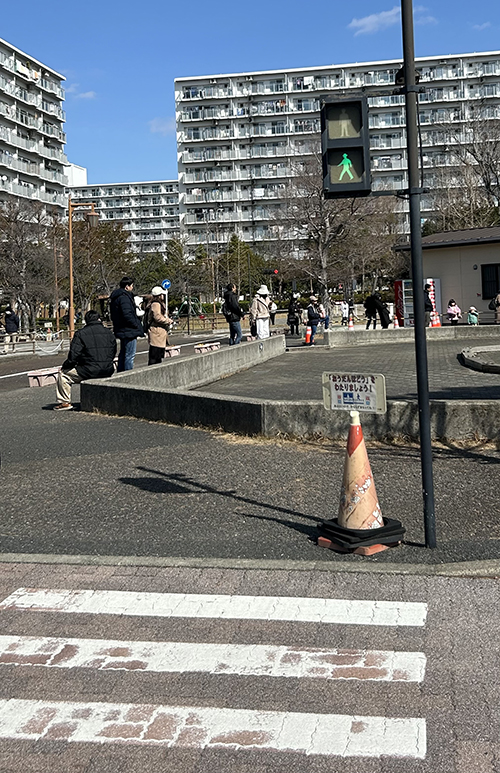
column 10, row 337
column 63, row 385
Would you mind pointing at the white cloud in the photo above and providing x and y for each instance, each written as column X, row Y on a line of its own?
column 481, row 27
column 162, row 126
column 72, row 89
column 367, row 25
column 376, row 22
column 86, row 95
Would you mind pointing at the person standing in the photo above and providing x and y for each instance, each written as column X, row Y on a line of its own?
column 259, row 312
column 473, row 316
column 497, row 309
column 313, row 317
column 294, row 314
column 428, row 307
column 370, row 311
column 91, row 355
column 126, row 324
column 11, row 329
column 157, row 322
column 233, row 314
column 272, row 312
column 383, row 311
column 344, row 312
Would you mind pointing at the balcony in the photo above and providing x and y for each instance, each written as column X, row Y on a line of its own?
column 6, row 85
column 208, row 196
column 54, row 153
column 53, row 176
column 52, row 131
column 9, row 111
column 7, row 61
column 53, row 87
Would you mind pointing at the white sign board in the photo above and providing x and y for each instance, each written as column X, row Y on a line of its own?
column 354, row 392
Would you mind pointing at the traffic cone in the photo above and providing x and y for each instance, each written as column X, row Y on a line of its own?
column 395, row 322
column 351, row 323
column 359, row 507
column 359, row 527
column 435, row 321
column 308, row 335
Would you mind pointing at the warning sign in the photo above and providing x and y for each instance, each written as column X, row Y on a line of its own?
column 354, row 392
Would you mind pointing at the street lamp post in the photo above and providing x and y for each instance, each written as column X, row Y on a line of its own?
column 92, row 218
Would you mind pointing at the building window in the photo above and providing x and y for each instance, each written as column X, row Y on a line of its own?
column 490, row 280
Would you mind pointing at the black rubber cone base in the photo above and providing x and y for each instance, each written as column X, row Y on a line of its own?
column 392, row 531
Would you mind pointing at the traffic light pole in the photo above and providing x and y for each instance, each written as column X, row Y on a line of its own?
column 415, row 192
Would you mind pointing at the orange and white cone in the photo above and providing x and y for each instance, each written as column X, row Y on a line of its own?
column 359, row 507
column 351, row 323
column 308, row 334
column 435, row 321
column 395, row 322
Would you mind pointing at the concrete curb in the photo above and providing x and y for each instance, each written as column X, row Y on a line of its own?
column 360, row 337
column 471, row 358
column 488, row 568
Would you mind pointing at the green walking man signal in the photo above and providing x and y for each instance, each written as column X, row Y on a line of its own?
column 345, row 147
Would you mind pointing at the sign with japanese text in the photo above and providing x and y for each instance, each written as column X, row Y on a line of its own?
column 354, row 392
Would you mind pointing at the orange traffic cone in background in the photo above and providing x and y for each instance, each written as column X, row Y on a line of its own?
column 435, row 321
column 308, row 334
column 351, row 323
column 395, row 322
column 359, row 507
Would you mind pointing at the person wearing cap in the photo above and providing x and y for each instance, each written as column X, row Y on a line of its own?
column 313, row 317
column 233, row 314
column 473, row 316
column 259, row 312
column 91, row 355
column 157, row 323
column 126, row 324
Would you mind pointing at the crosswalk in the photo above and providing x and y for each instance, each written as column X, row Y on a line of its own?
column 215, row 723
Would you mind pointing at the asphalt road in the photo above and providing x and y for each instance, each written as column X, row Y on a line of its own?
column 77, row 483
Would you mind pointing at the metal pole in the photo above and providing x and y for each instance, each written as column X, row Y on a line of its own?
column 71, row 301
column 418, row 274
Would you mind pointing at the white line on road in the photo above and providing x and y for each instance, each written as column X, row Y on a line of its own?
column 231, row 659
column 334, row 611
column 220, row 728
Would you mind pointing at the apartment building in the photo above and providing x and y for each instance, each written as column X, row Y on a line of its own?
column 31, row 129
column 149, row 210
column 237, row 134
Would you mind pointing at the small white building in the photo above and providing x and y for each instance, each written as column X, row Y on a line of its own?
column 468, row 265
column 32, row 159
column 149, row 210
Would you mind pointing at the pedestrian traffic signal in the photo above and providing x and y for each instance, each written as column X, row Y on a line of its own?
column 271, row 271
column 345, row 146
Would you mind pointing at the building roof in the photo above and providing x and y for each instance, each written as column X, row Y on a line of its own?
column 32, row 59
column 468, row 236
column 397, row 62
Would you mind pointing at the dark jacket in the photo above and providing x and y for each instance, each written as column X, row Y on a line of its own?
column 92, row 352
column 126, row 323
column 427, row 302
column 233, row 307
column 313, row 315
column 294, row 311
column 370, row 304
column 11, row 322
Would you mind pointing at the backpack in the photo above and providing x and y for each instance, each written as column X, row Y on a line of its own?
column 226, row 311
column 492, row 305
column 146, row 320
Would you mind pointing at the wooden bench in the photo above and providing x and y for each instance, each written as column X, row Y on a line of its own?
column 39, row 378
column 210, row 346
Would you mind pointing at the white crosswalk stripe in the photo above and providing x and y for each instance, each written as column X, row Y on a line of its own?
column 333, row 611
column 217, row 726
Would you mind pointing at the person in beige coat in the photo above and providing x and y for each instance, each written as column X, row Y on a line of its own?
column 157, row 322
column 259, row 311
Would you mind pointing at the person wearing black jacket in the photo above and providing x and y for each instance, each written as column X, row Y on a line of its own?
column 91, row 355
column 126, row 324
column 428, row 307
column 234, row 314
column 11, row 329
column 313, row 317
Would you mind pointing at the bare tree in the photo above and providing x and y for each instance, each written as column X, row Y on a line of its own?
column 336, row 238
column 26, row 262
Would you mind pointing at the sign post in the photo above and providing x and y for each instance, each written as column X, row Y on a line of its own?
column 166, row 285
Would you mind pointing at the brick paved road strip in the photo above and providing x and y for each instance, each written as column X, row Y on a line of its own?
column 200, row 727
column 235, row 659
column 333, row 611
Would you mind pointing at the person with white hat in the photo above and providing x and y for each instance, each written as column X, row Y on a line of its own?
column 473, row 316
column 313, row 316
column 156, row 324
column 259, row 312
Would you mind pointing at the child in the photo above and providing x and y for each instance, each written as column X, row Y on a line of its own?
column 473, row 316
column 454, row 313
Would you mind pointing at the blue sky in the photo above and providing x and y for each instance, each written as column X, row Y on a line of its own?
column 120, row 58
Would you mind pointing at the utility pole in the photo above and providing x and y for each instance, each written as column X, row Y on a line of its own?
column 415, row 192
